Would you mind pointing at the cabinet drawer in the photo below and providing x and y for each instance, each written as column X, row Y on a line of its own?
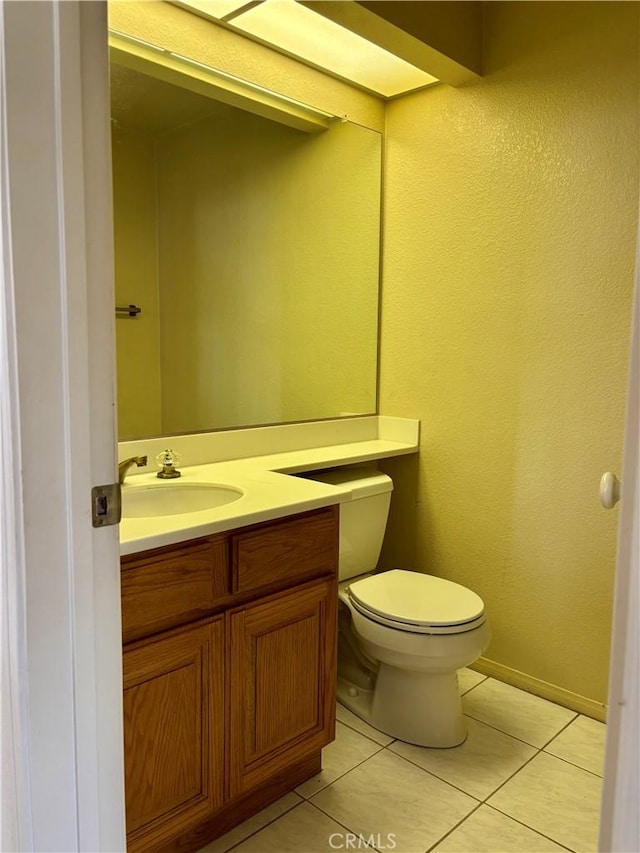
column 299, row 548
column 161, row 591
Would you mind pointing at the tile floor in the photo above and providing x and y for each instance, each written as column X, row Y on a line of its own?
column 527, row 779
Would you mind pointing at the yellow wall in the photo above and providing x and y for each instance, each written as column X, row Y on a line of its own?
column 510, row 228
column 136, row 281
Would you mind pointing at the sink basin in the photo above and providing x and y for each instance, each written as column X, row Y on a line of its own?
column 175, row 499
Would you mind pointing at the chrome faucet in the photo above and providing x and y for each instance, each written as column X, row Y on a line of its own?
column 124, row 466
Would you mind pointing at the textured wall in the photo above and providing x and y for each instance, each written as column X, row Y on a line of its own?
column 510, row 228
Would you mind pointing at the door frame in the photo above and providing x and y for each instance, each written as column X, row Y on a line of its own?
column 64, row 635
column 620, row 823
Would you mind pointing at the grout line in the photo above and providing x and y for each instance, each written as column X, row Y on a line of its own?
column 503, row 732
column 251, row 834
column 489, row 805
column 515, row 737
column 473, row 686
column 435, row 775
column 564, row 728
column 530, row 693
column 348, row 770
column 508, row 779
column 478, row 803
column 502, row 784
column 526, row 826
column 486, row 799
column 453, row 828
column 599, row 776
column 362, row 734
column 343, row 825
column 566, row 760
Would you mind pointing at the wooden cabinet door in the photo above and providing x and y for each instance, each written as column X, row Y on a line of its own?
column 173, row 733
column 283, row 679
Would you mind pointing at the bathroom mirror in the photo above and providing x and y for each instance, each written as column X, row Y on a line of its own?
column 252, row 250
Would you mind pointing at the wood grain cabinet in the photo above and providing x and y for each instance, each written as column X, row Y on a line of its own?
column 282, row 682
column 174, row 711
column 229, row 663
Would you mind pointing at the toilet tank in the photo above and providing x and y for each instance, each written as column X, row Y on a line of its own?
column 363, row 519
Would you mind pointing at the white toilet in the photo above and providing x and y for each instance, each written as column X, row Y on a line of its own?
column 402, row 634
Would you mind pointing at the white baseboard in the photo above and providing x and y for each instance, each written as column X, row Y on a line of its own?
column 574, row 701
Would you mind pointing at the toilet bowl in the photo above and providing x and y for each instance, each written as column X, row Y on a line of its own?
column 415, row 696
column 402, row 634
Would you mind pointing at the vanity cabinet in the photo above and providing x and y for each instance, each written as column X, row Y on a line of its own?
column 229, row 663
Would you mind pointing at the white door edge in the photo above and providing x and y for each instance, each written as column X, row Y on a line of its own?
column 620, row 821
column 58, row 218
column 15, row 816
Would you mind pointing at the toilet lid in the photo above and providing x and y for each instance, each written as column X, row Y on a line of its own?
column 416, row 601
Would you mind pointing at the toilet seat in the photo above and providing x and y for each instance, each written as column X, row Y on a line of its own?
column 417, row 603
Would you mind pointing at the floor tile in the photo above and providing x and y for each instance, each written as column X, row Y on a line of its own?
column 347, row 750
column 303, row 828
column 581, row 743
column 387, row 796
column 354, row 722
column 253, row 824
column 478, row 766
column 555, row 798
column 489, row 831
column 516, row 712
column 467, row 679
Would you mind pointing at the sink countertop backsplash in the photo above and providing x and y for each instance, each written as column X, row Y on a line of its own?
column 268, row 490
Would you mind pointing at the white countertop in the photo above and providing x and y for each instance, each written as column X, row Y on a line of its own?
column 269, row 491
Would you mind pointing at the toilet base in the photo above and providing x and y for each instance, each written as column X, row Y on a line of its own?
column 355, row 699
column 430, row 713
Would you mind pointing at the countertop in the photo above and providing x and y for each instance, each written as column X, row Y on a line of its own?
column 269, row 491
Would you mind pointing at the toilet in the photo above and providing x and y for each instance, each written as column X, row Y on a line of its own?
column 402, row 634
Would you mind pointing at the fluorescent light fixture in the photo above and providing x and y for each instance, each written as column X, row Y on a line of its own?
column 163, row 64
column 297, row 31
